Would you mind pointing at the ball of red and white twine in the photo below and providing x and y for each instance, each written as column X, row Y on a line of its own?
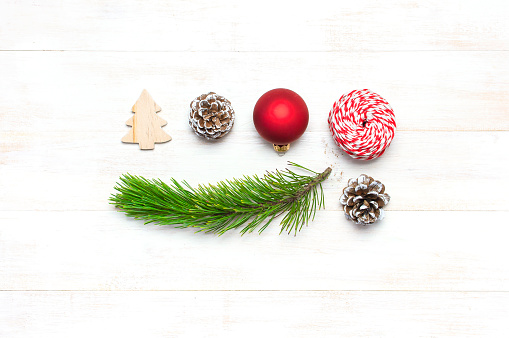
column 362, row 124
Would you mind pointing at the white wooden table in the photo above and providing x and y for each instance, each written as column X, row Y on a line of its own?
column 72, row 266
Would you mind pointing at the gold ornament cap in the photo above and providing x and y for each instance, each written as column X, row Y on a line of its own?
column 281, row 148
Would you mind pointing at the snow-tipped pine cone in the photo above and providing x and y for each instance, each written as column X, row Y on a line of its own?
column 363, row 200
column 211, row 116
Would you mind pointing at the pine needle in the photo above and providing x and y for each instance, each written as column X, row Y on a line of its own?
column 250, row 202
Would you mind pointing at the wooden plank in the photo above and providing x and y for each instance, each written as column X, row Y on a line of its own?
column 440, row 251
column 265, row 25
column 73, row 91
column 254, row 314
column 421, row 170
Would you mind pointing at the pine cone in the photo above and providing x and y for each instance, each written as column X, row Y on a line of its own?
column 363, row 200
column 211, row 116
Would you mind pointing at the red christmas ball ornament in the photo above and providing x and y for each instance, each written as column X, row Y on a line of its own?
column 280, row 116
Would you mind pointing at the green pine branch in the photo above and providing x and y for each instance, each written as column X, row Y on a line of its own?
column 249, row 202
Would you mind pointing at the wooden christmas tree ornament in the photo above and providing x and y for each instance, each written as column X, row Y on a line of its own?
column 146, row 124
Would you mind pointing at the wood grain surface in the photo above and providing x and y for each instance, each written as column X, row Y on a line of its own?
column 72, row 266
